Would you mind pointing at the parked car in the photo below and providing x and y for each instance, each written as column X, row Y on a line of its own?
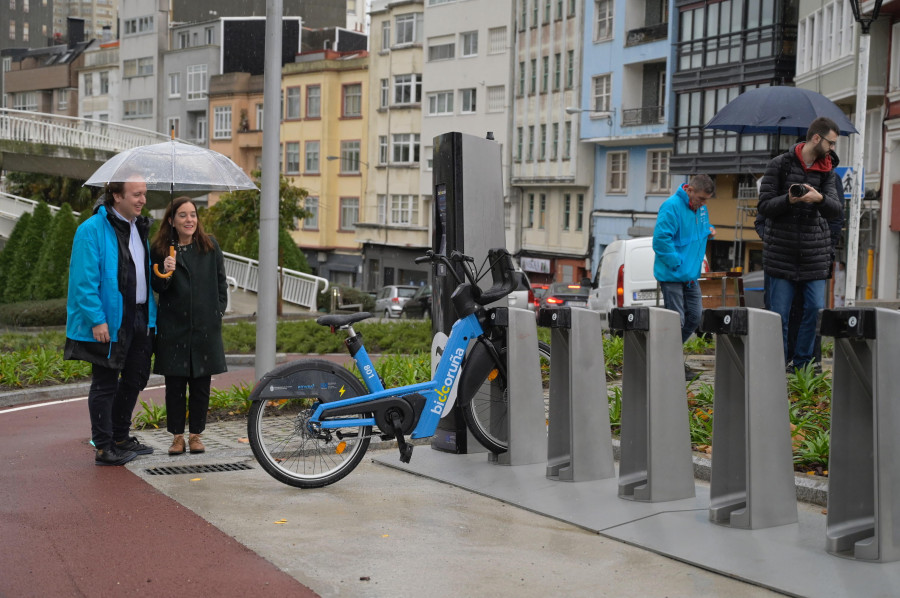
column 389, row 301
column 419, row 305
column 572, row 294
column 624, row 277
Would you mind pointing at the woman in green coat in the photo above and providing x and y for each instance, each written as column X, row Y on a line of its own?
column 192, row 299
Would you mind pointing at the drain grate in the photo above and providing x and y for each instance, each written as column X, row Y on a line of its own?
column 177, row 469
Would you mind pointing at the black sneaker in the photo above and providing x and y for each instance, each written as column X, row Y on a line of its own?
column 134, row 445
column 113, row 456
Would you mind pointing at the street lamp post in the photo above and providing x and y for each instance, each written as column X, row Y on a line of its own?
column 862, row 83
column 607, row 114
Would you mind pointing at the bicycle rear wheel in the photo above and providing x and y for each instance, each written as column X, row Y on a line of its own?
column 487, row 413
column 284, row 443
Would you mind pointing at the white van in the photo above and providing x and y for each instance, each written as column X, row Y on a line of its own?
column 624, row 277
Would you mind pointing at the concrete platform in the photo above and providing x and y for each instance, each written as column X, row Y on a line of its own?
column 789, row 559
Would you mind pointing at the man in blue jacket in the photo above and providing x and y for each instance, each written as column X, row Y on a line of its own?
column 679, row 242
column 110, row 314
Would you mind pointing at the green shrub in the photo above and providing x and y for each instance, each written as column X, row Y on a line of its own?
column 8, row 255
column 305, row 336
column 34, row 313
column 25, row 260
column 51, row 279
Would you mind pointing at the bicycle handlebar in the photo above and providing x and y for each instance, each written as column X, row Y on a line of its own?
column 502, row 272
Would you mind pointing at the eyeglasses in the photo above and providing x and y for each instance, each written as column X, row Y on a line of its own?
column 831, row 143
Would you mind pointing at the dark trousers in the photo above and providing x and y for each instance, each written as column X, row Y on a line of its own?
column 196, row 401
column 113, row 392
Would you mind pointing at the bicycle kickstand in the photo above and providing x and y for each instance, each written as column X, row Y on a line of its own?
column 405, row 448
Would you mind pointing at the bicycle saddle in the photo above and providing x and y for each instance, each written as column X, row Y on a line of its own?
column 341, row 320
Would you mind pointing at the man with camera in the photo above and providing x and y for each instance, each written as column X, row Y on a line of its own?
column 797, row 200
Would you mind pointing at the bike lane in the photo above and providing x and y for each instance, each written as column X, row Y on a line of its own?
column 70, row 528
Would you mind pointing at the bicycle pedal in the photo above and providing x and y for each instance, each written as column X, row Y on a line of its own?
column 406, row 453
column 386, row 437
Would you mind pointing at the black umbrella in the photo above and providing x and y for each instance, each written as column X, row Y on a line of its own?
column 778, row 110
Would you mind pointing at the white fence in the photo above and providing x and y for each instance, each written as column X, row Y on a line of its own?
column 299, row 288
column 53, row 129
column 12, row 207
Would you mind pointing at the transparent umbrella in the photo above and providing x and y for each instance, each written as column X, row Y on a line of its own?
column 174, row 167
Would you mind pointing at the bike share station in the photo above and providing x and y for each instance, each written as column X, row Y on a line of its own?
column 745, row 523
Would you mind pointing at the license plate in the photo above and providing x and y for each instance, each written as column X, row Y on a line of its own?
column 644, row 295
column 577, row 303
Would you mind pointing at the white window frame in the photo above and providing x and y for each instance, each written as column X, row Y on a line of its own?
column 496, row 98
column 352, row 100
column 603, row 20
column 202, row 128
column 349, row 207
column 104, row 82
column 404, row 210
column 468, row 44
column 407, row 89
column 408, row 29
column 385, row 35
column 88, row 84
column 497, row 40
column 617, row 172
column 292, row 97
column 197, row 81
column 440, row 103
column 313, row 101
column 312, row 157
column 311, row 205
column 658, row 171
column 441, row 51
column 405, row 148
column 222, row 122
column 350, row 156
column 601, row 93
column 468, row 100
column 383, row 149
column 292, row 157
column 176, row 122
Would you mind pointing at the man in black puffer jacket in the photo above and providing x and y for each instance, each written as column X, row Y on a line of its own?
column 797, row 200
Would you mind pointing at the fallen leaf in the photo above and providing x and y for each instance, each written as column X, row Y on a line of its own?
column 196, row 479
column 244, row 440
column 385, row 536
column 364, row 578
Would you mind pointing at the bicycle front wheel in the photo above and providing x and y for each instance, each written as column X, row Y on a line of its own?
column 285, row 444
column 487, row 413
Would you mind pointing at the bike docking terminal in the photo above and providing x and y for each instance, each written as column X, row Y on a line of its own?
column 863, row 520
column 655, row 463
column 579, row 442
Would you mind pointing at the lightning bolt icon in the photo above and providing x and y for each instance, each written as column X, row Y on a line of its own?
column 342, row 391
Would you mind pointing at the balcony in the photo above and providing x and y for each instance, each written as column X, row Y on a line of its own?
column 648, row 115
column 645, row 35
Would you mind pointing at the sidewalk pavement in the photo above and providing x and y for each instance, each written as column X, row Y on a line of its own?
column 226, row 528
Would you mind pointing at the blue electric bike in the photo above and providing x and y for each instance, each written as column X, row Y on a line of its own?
column 312, row 420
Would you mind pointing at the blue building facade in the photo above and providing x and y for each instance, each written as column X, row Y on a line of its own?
column 624, row 110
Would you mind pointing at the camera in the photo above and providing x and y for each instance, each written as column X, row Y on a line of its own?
column 797, row 190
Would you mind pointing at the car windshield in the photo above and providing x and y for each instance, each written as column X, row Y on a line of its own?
column 568, row 288
column 406, row 291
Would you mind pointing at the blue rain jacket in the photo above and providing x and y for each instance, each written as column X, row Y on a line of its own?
column 679, row 239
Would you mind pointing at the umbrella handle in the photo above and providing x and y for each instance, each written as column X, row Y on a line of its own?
column 156, row 266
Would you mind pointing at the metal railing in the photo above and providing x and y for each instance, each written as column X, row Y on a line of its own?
column 648, row 115
column 299, row 288
column 69, row 131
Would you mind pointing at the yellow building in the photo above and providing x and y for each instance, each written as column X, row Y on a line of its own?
column 324, row 150
column 236, row 112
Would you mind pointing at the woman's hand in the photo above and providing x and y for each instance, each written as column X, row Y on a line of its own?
column 169, row 264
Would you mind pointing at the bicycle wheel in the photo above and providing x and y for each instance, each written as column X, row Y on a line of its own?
column 283, row 442
column 487, row 413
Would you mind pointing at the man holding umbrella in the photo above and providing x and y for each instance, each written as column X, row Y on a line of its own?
column 797, row 200
column 110, row 311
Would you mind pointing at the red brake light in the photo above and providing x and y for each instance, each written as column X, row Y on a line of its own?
column 555, row 301
column 395, row 300
column 531, row 297
column 620, row 287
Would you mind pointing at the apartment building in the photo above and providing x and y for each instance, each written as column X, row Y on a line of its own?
column 394, row 220
column 623, row 112
column 721, row 50
column 144, row 35
column 552, row 171
column 97, row 14
column 466, row 79
column 323, row 140
column 98, row 83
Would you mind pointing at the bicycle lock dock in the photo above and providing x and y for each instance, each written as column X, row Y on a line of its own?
column 745, row 522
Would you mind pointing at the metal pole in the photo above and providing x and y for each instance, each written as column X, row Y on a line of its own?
column 862, row 84
column 268, row 213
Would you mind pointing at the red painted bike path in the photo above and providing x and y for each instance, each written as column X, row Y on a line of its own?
column 70, row 528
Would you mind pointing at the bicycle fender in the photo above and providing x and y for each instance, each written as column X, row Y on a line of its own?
column 476, row 367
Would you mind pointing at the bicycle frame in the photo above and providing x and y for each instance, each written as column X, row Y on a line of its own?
column 436, row 391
